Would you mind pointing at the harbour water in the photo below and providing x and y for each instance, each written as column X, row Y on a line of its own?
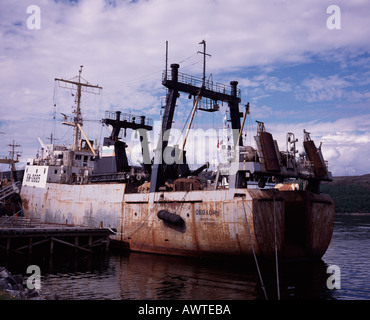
column 135, row 276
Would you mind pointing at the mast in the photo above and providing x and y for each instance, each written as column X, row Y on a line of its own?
column 204, row 61
column 78, row 116
column 79, row 87
column 12, row 159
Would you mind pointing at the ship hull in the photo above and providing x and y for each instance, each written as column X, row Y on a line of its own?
column 235, row 222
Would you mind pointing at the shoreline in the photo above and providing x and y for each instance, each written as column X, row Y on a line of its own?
column 352, row 214
column 12, row 287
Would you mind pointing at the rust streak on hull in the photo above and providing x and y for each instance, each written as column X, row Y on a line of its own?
column 215, row 222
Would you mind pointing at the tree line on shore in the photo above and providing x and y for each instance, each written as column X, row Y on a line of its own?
column 351, row 194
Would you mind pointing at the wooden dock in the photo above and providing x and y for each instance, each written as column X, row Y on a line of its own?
column 21, row 235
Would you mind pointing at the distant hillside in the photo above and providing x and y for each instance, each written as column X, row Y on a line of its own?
column 350, row 193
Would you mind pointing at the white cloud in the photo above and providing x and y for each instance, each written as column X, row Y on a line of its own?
column 266, row 83
column 318, row 88
column 345, row 142
column 122, row 48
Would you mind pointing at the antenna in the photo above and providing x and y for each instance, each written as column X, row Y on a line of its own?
column 204, row 61
column 51, row 138
column 165, row 76
column 12, row 152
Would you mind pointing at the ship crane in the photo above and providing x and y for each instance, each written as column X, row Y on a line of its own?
column 120, row 121
column 248, row 165
column 201, row 89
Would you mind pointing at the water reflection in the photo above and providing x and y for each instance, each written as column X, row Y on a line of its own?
column 143, row 276
column 160, row 277
column 349, row 249
column 153, row 277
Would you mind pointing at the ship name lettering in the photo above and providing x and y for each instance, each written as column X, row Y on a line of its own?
column 205, row 212
column 35, row 178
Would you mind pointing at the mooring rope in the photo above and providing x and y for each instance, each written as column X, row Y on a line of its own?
column 254, row 253
column 129, row 233
column 150, row 228
column 276, row 255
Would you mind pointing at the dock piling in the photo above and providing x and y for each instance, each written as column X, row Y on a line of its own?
column 21, row 237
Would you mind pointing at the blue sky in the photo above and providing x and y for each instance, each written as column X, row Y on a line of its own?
column 295, row 71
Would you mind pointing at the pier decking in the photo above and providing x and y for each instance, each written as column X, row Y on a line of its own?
column 21, row 235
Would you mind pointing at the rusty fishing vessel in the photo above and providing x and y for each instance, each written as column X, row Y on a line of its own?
column 262, row 201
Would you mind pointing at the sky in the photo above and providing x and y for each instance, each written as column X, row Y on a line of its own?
column 300, row 64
